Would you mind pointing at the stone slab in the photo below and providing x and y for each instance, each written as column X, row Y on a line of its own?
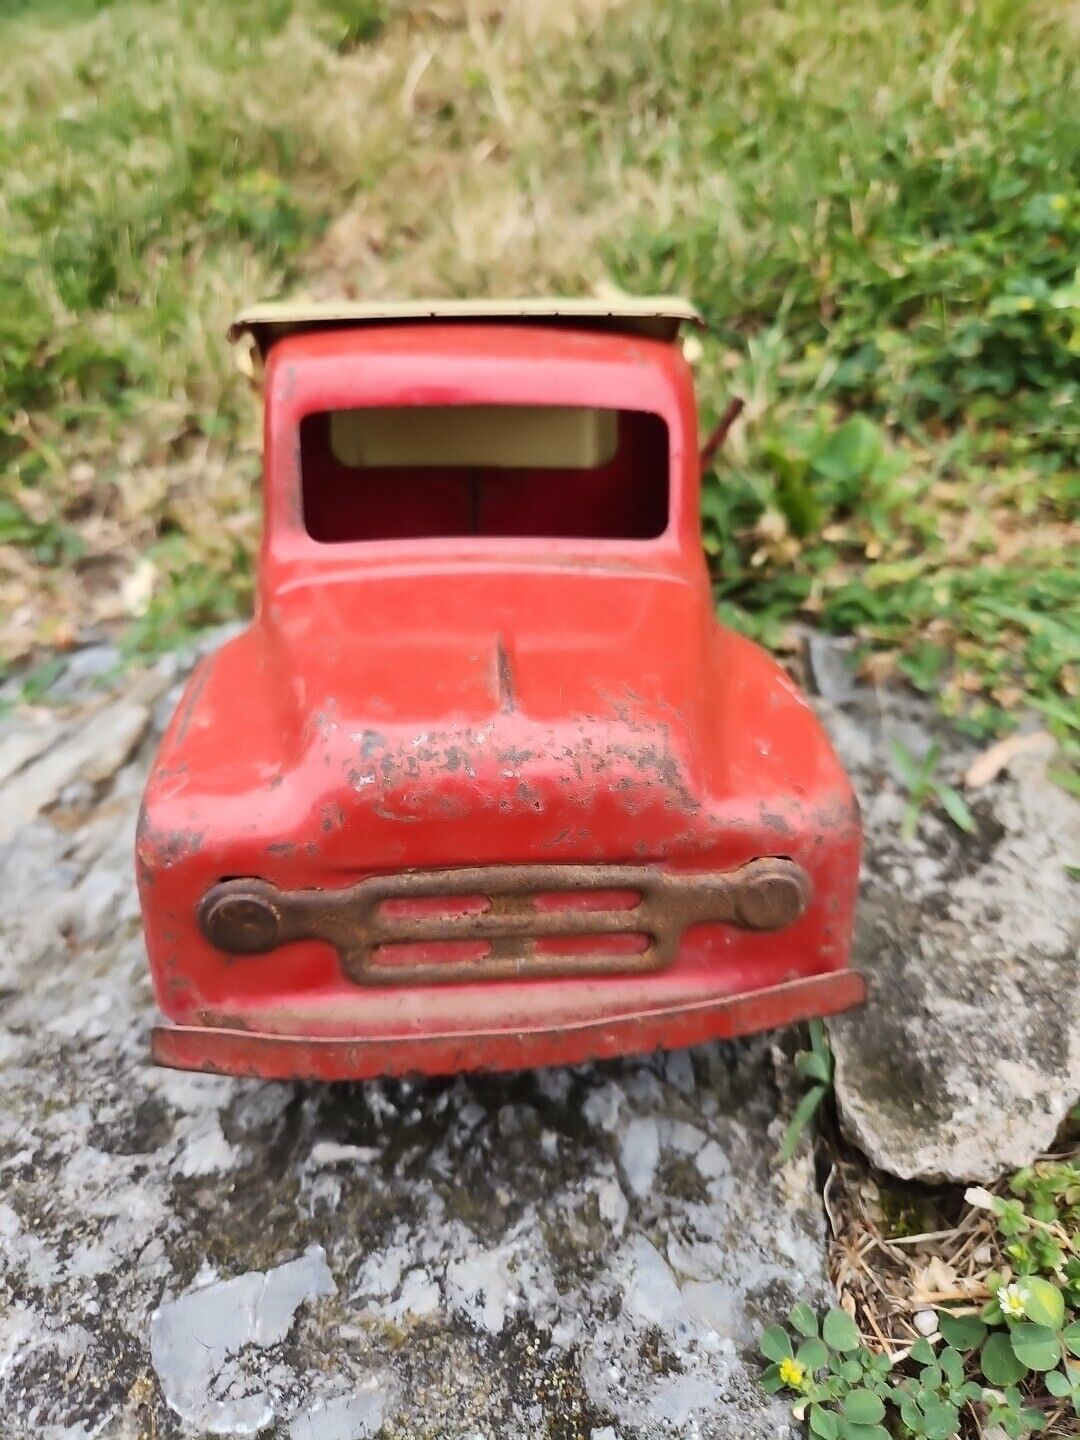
column 585, row 1252
column 966, row 1059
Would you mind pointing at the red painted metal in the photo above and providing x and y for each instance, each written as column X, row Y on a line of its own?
column 277, row 1057
column 403, row 706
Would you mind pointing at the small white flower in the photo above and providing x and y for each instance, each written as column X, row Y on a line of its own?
column 926, row 1322
column 1011, row 1299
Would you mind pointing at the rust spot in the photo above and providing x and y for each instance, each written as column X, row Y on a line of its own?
column 504, row 679
column 333, row 817
column 776, row 822
column 530, row 797
column 514, row 756
column 457, row 758
column 370, row 742
column 158, row 849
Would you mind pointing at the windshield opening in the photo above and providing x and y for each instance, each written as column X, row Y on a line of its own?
column 421, row 472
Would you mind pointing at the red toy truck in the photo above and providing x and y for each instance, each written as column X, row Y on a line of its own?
column 485, row 785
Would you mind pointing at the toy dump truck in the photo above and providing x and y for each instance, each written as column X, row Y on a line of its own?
column 484, row 784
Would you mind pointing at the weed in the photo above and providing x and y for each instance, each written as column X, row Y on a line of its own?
column 841, row 1386
column 923, row 785
column 1012, row 1363
column 815, row 1065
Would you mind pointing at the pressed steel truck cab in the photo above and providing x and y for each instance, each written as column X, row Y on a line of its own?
column 484, row 784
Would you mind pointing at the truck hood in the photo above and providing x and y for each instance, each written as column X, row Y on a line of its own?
column 542, row 705
column 548, row 647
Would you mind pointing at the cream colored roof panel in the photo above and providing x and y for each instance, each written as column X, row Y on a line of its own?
column 657, row 316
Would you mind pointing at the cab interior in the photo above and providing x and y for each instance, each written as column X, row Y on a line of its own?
column 421, row 472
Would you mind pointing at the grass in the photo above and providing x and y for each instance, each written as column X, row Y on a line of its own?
column 877, row 207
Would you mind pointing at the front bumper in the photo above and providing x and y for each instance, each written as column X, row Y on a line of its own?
column 290, row 1057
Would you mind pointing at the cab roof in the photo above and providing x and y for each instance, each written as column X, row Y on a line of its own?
column 658, row 317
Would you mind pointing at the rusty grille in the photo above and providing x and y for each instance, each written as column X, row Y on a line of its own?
column 504, row 922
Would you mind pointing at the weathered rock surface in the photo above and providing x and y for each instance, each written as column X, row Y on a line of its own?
column 570, row 1253
column 966, row 1059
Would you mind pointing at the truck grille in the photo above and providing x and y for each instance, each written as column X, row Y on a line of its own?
column 504, row 922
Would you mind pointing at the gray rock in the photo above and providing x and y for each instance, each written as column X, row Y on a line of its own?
column 92, row 749
column 831, row 661
column 596, row 1245
column 195, row 1341
column 355, row 1416
column 93, row 664
column 966, row 1059
column 24, row 738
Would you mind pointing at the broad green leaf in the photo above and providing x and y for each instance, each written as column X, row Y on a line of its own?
column 931, row 1379
column 775, row 1344
column 770, row 1380
column 964, row 1332
column 1071, row 1336
column 823, row 1423
column 849, row 454
column 952, row 1364
column 911, row 1415
column 940, row 1421
column 839, row 1332
column 1058, row 1384
column 863, row 1407
column 1011, row 1217
column 922, row 1352
column 813, row 1353
column 1044, row 1303
column 999, row 1363
column 1036, row 1346
column 803, row 1319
